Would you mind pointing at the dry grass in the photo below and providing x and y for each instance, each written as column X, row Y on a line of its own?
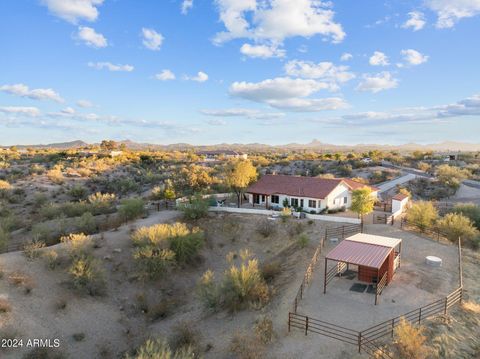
column 410, row 341
column 23, row 280
column 5, row 306
column 471, row 307
column 247, row 346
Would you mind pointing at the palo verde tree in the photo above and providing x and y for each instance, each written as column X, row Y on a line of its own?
column 239, row 175
column 362, row 201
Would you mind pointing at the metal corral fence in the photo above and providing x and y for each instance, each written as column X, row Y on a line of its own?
column 368, row 339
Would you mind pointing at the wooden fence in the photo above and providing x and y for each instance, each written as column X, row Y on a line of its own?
column 342, row 232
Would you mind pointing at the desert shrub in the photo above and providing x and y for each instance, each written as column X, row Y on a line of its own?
column 152, row 261
column 244, row 285
column 5, row 306
column 452, row 176
column 469, row 210
column 266, row 228
column 162, row 309
column 410, row 341
column 454, row 226
column 131, row 209
column 231, row 228
column 270, row 270
column 56, row 176
column 184, row 335
column 51, row 258
column 86, row 223
column 178, row 238
column 295, row 228
column 4, row 238
column 31, row 250
column 157, row 193
column 196, row 207
column 471, row 307
column 101, row 202
column 247, row 346
column 264, row 329
column 77, row 192
column 20, row 279
column 4, row 186
column 39, row 200
column 208, row 291
column 60, row 304
column 47, row 232
column 122, row 185
column 159, row 349
column 77, row 244
column 303, row 241
column 422, row 215
column 49, row 211
column 78, row 337
column 87, row 275
column 36, row 169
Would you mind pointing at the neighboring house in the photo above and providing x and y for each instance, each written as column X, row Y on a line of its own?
column 216, row 155
column 312, row 194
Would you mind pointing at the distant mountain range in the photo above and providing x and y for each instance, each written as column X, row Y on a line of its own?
column 313, row 145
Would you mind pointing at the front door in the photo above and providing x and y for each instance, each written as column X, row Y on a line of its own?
column 256, row 199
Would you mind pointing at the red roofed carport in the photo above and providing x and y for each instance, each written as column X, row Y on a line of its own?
column 377, row 259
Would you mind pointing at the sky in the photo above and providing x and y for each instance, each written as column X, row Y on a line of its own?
column 240, row 71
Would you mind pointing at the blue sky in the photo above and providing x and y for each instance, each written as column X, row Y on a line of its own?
column 239, row 71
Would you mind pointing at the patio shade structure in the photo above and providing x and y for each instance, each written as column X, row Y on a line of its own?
column 377, row 258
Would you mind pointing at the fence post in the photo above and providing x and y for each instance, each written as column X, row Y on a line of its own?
column 419, row 315
column 301, row 291
column 343, row 232
column 446, row 306
column 359, row 342
column 306, row 325
column 393, row 326
column 289, row 315
column 326, row 234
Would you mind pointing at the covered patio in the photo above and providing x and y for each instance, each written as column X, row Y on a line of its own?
column 372, row 259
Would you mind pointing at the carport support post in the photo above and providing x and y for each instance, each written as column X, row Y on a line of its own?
column 325, row 278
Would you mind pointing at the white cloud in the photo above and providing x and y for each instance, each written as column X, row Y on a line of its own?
column 262, row 51
column 243, row 112
column 413, row 57
column 379, row 59
column 35, row 94
column 186, row 6
column 416, row 21
column 21, row 110
column 200, row 77
column 216, row 122
column 74, row 10
column 467, row 107
column 91, row 38
column 346, row 56
column 326, row 71
column 84, row 103
column 165, row 75
column 111, row 67
column 275, row 20
column 287, row 93
column 376, row 83
column 449, row 12
column 68, row 111
column 151, row 39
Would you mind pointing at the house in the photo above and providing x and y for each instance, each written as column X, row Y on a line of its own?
column 312, row 194
column 399, row 202
column 216, row 155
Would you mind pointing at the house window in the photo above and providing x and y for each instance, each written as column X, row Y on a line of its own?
column 345, row 200
column 294, row 202
column 312, row 203
column 275, row 199
column 301, row 203
column 263, row 198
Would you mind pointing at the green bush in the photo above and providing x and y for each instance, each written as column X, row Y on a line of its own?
column 4, row 239
column 152, row 261
column 469, row 210
column 86, row 223
column 208, row 291
column 195, row 208
column 102, row 203
column 266, row 228
column 186, row 247
column 87, row 275
column 77, row 192
column 31, row 250
column 455, row 226
column 131, row 209
column 78, row 244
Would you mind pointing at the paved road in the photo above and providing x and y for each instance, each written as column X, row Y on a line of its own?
column 386, row 186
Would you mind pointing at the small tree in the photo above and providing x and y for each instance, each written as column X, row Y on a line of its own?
column 239, row 175
column 452, row 176
column 456, row 226
column 422, row 215
column 362, row 201
column 469, row 210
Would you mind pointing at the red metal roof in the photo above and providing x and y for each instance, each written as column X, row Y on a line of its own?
column 363, row 254
column 400, row 197
column 313, row 187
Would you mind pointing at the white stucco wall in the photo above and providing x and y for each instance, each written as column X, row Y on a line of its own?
column 398, row 206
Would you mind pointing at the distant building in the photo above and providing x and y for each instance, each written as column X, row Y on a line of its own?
column 309, row 193
column 366, row 160
column 216, row 155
